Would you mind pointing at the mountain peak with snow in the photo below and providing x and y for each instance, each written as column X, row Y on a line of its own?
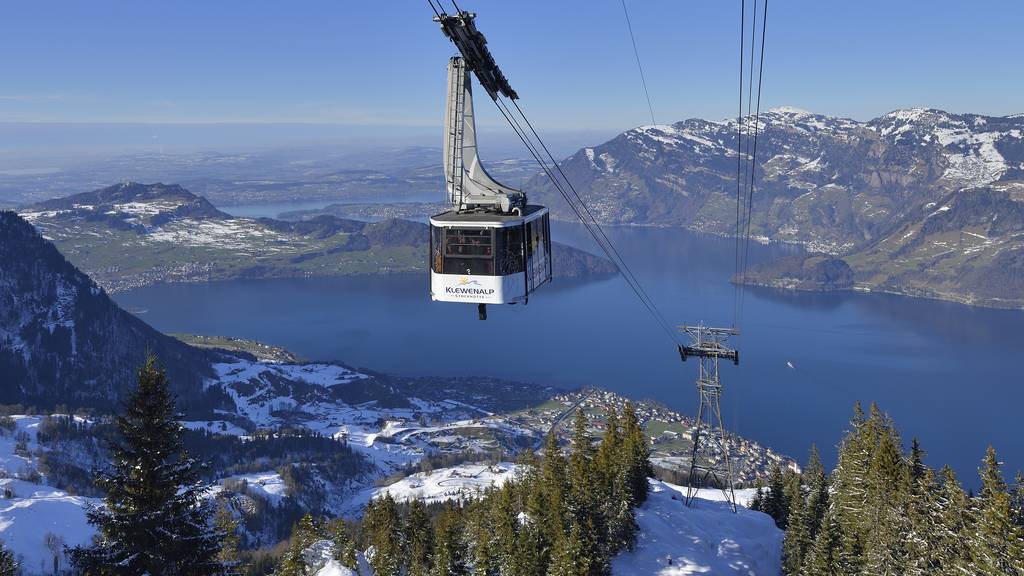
column 791, row 110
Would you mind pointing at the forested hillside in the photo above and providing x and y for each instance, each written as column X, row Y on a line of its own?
column 882, row 511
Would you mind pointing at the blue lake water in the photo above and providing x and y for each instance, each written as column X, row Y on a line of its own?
column 274, row 209
column 946, row 373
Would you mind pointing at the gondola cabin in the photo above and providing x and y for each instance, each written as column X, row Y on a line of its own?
column 488, row 257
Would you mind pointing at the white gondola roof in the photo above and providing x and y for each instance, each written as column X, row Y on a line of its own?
column 487, row 219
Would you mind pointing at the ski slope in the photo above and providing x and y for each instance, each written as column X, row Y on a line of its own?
column 675, row 540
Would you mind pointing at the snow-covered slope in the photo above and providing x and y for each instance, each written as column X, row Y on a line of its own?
column 706, row 538
column 36, row 520
column 455, row 483
column 825, row 182
column 673, row 539
column 63, row 340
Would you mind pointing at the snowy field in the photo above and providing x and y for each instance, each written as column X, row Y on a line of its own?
column 706, row 538
column 461, row 482
column 36, row 520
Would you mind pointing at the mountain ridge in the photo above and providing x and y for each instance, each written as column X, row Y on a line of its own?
column 832, row 185
column 64, row 341
column 131, row 235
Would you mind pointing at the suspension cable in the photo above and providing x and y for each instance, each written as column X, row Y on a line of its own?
column 739, row 166
column 639, row 66
column 580, row 209
column 751, row 182
column 753, row 159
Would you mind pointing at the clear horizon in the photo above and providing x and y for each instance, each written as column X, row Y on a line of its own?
column 329, row 63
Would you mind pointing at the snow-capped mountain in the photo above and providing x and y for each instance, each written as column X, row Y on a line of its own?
column 834, row 185
column 826, row 182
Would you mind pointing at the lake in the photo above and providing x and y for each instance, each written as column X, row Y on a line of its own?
column 946, row 373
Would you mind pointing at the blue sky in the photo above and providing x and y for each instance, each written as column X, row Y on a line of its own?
column 571, row 61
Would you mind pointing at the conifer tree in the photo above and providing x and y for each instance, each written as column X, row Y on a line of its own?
column 529, row 558
column 922, row 541
column 343, row 547
column 227, row 526
column 757, row 502
column 917, row 467
column 818, row 493
column 637, row 453
column 419, row 540
column 481, row 541
column 886, row 546
column 792, row 489
column 449, row 545
column 956, row 526
column 775, row 498
column 1017, row 500
column 850, row 485
column 888, row 477
column 385, row 528
column 505, row 527
column 8, row 565
column 155, row 520
column 553, row 485
column 825, row 557
column 581, row 481
column 798, row 541
column 999, row 544
column 305, row 533
column 571, row 555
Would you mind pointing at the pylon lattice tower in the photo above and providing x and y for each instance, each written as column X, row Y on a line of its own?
column 710, row 458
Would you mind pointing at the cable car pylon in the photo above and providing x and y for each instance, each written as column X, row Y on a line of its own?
column 710, row 458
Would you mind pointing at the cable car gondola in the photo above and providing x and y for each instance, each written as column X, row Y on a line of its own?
column 491, row 247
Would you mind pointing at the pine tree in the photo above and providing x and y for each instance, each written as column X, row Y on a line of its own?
column 850, row 486
column 571, row 555
column 917, row 467
column 955, row 526
column 1017, row 500
column 886, row 547
column 419, row 540
column 825, row 558
column 888, row 477
column 818, row 493
column 8, row 565
column 922, row 541
column 581, row 481
column 798, row 541
column 482, row 543
column 155, row 520
column 529, row 558
column 553, row 485
column 227, row 527
column 384, row 528
column 611, row 491
column 999, row 543
column 757, row 502
column 775, row 499
column 792, row 489
column 449, row 545
column 343, row 548
column 305, row 533
column 505, row 526
column 637, row 453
